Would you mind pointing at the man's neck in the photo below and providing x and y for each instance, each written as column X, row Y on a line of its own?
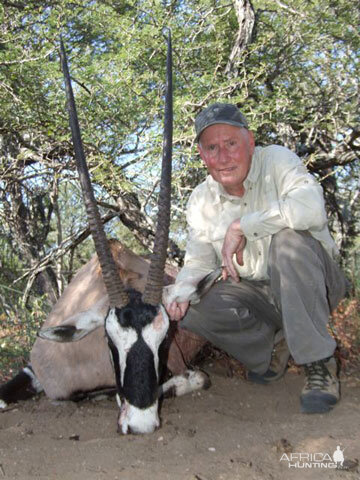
column 238, row 191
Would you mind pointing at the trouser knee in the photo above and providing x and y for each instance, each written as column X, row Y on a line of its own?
column 289, row 240
column 292, row 249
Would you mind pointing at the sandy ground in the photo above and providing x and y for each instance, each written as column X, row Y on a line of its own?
column 234, row 430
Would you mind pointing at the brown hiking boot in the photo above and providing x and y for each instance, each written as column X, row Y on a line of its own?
column 322, row 389
column 278, row 365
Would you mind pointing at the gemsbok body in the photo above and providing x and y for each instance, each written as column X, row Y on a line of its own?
column 113, row 310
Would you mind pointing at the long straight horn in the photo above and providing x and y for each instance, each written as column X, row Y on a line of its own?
column 115, row 289
column 155, row 281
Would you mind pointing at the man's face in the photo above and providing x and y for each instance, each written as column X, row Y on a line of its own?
column 227, row 151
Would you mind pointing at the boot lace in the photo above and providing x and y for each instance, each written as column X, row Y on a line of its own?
column 317, row 375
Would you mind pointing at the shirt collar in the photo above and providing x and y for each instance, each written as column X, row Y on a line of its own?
column 218, row 191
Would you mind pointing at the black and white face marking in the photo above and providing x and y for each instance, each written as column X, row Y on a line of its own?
column 135, row 334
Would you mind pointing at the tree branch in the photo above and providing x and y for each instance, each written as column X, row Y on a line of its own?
column 25, row 60
column 69, row 243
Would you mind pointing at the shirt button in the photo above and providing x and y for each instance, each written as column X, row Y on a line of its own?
column 255, row 234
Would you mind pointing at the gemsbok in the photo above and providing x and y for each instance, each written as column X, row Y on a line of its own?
column 113, row 309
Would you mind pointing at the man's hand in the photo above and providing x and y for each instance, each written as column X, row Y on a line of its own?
column 234, row 242
column 177, row 310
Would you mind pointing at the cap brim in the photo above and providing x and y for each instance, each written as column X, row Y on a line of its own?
column 227, row 122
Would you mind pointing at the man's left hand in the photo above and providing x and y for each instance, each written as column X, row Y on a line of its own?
column 234, row 243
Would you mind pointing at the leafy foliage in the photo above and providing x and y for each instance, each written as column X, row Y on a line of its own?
column 295, row 78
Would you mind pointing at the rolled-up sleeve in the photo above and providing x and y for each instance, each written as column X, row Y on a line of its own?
column 296, row 203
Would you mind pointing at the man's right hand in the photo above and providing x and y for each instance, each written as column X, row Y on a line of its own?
column 177, row 310
column 234, row 243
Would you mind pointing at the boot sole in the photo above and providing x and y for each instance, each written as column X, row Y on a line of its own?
column 262, row 379
column 317, row 402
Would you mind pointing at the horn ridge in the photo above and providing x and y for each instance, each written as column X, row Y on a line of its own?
column 115, row 289
column 155, row 279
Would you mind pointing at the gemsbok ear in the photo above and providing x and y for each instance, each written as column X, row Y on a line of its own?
column 192, row 292
column 205, row 284
column 63, row 334
column 79, row 325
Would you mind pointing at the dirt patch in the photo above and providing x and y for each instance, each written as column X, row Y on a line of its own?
column 234, row 430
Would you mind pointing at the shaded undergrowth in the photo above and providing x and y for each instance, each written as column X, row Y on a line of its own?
column 18, row 334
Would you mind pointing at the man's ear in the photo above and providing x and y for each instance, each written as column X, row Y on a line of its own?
column 202, row 155
column 251, row 140
column 76, row 327
column 200, row 150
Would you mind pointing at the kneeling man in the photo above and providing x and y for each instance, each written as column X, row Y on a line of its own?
column 261, row 216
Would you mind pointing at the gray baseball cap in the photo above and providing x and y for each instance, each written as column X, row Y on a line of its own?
column 219, row 113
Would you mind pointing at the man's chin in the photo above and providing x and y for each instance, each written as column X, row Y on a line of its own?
column 232, row 187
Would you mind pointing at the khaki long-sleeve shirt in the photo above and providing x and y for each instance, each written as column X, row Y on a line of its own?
column 279, row 193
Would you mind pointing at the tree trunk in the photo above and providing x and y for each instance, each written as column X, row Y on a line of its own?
column 246, row 20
